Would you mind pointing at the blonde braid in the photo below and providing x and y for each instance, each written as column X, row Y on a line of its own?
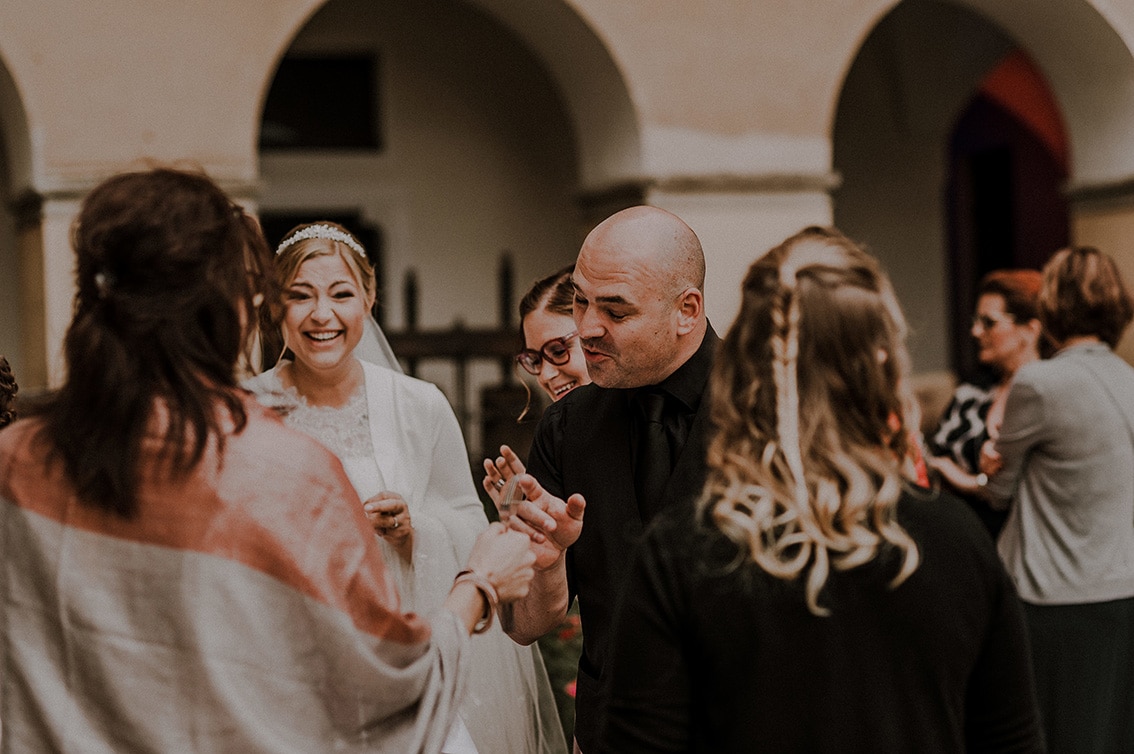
column 785, row 365
column 794, row 491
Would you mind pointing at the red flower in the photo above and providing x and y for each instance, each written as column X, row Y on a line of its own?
column 567, row 634
column 570, row 689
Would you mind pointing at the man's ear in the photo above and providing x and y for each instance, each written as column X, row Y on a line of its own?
column 690, row 308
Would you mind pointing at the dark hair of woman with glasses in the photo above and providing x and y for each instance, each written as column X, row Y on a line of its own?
column 551, row 353
column 1007, row 330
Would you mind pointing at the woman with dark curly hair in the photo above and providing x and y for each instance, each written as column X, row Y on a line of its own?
column 8, row 390
column 814, row 600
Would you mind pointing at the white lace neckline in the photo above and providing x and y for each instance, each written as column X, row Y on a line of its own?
column 344, row 430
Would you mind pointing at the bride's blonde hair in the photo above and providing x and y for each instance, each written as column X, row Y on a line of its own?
column 812, row 411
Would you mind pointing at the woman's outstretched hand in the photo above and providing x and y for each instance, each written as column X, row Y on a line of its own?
column 505, row 558
column 499, row 572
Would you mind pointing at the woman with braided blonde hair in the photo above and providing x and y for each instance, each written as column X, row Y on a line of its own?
column 814, row 599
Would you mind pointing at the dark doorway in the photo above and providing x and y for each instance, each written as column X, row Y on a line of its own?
column 1006, row 203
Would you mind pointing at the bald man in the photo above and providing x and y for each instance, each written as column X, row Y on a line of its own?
column 640, row 314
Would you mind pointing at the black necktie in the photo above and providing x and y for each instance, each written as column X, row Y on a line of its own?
column 653, row 463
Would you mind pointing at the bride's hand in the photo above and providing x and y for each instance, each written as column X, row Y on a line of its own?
column 498, row 472
column 389, row 515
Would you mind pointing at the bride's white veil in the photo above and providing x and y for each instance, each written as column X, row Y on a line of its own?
column 374, row 348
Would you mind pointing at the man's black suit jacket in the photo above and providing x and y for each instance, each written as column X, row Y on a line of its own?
column 583, row 445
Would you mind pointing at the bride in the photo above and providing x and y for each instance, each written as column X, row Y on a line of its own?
column 399, row 443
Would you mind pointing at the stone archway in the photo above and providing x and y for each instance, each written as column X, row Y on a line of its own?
column 910, row 81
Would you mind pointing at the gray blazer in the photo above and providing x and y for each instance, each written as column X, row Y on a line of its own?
column 1068, row 471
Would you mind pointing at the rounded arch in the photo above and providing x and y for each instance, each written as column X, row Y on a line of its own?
column 15, row 140
column 1086, row 58
column 606, row 123
column 1091, row 71
column 604, row 118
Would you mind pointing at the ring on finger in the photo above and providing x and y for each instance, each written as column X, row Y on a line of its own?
column 396, row 523
column 498, row 484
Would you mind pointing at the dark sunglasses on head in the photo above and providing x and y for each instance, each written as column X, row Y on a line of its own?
column 557, row 351
column 987, row 322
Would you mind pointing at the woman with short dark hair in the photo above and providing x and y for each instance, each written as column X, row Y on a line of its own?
column 1064, row 463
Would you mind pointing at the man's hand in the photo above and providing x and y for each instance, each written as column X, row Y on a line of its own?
column 552, row 524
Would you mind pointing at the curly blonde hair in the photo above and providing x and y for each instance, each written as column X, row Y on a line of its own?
column 813, row 412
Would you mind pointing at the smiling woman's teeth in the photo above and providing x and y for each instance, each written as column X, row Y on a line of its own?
column 322, row 335
column 565, row 388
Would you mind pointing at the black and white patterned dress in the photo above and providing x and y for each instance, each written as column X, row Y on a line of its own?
column 959, row 436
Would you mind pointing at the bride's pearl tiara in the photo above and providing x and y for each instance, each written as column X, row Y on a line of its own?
column 322, row 231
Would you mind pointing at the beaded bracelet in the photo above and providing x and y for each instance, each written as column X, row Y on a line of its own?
column 484, row 586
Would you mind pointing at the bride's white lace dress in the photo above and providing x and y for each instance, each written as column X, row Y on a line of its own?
column 398, row 433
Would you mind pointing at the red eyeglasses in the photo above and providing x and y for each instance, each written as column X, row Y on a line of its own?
column 557, row 351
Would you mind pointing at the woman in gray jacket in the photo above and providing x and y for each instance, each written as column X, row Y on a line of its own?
column 1065, row 463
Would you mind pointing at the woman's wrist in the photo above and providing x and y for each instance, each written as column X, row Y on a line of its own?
column 404, row 547
column 487, row 592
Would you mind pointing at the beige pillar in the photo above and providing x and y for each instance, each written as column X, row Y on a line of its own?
column 48, row 265
column 58, row 279
column 29, row 246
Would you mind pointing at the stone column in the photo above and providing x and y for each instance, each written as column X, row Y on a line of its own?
column 47, row 284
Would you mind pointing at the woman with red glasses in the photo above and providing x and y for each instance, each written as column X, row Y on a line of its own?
column 552, row 354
